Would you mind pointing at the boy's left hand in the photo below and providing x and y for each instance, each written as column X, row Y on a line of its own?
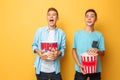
column 92, row 51
column 55, row 53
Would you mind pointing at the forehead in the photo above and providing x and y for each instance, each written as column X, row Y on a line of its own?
column 90, row 13
column 52, row 11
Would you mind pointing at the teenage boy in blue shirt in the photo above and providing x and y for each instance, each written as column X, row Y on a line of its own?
column 84, row 40
column 47, row 65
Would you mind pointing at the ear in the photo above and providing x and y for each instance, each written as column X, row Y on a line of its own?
column 57, row 18
column 95, row 19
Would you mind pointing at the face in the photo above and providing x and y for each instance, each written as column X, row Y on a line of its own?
column 90, row 18
column 52, row 18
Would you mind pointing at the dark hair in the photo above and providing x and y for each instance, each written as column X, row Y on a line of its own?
column 91, row 10
column 52, row 9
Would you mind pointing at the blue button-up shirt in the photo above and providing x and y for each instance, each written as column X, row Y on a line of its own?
column 42, row 35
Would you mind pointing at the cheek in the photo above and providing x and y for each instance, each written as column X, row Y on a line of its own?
column 48, row 17
column 93, row 19
column 56, row 18
column 85, row 19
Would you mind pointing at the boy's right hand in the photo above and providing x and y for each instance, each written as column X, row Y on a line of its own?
column 82, row 69
column 42, row 54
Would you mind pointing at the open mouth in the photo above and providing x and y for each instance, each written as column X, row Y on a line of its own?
column 51, row 20
column 89, row 21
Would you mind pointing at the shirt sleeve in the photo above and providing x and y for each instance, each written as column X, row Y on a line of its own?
column 63, row 44
column 35, row 41
column 101, row 45
column 74, row 41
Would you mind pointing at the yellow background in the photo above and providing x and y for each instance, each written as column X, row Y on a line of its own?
column 19, row 20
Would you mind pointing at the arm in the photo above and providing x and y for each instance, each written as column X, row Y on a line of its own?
column 62, row 45
column 35, row 45
column 74, row 53
column 35, row 42
column 101, row 47
column 101, row 53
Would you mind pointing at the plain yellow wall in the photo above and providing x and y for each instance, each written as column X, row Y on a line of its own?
column 19, row 20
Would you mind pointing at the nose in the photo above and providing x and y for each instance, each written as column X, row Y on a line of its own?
column 89, row 18
column 51, row 16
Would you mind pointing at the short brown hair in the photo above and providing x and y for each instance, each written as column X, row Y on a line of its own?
column 91, row 10
column 52, row 9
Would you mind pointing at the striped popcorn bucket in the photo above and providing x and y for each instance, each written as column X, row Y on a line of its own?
column 47, row 46
column 89, row 62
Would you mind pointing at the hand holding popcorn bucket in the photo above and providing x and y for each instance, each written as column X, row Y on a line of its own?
column 89, row 62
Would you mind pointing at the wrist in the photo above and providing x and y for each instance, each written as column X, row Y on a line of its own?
column 37, row 51
column 79, row 65
column 59, row 53
column 98, row 51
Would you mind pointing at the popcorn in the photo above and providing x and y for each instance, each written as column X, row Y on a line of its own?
column 89, row 62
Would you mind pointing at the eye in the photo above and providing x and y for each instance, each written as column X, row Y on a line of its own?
column 54, row 15
column 92, row 16
column 48, row 14
column 86, row 16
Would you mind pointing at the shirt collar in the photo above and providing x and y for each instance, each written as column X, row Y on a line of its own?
column 47, row 28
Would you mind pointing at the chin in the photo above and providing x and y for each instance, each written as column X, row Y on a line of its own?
column 51, row 25
column 89, row 24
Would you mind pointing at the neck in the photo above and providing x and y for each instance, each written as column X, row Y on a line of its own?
column 89, row 28
column 52, row 27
